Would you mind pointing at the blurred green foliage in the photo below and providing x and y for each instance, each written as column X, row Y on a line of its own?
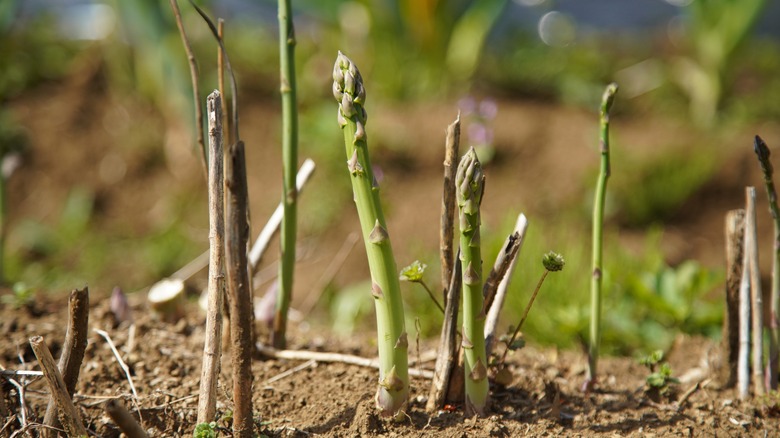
column 647, row 190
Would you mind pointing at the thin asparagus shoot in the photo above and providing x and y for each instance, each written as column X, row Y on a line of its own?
column 470, row 184
column 392, row 341
column 552, row 262
column 289, row 163
column 762, row 151
column 598, row 223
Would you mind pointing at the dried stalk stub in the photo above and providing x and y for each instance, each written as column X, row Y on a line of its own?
column 392, row 343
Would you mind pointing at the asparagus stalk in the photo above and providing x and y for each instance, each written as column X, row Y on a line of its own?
column 598, row 222
column 393, row 389
column 289, row 163
column 470, row 184
column 762, row 151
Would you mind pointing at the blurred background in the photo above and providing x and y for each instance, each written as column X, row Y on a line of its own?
column 101, row 182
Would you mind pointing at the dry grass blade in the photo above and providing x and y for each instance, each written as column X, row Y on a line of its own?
column 122, row 365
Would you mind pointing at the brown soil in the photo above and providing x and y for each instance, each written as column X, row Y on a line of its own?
column 333, row 399
column 76, row 125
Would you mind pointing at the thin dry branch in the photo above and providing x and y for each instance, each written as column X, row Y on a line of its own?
column 332, row 357
column 124, row 419
column 212, row 349
column 73, row 349
column 221, row 80
column 239, row 288
column 446, row 229
column 69, row 415
column 195, row 85
column 233, row 86
column 122, row 365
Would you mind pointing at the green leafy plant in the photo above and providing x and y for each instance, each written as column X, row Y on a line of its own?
column 205, row 430
column 21, row 296
column 660, row 377
column 350, row 93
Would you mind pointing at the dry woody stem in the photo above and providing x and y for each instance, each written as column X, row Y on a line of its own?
column 123, row 419
column 446, row 230
column 73, row 349
column 212, row 349
column 68, row 414
column 448, row 347
column 491, row 323
column 757, row 308
column 239, row 289
column 735, row 237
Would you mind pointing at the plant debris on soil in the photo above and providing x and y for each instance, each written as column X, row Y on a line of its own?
column 299, row 398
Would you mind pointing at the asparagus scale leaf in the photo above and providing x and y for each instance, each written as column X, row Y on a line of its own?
column 470, row 184
column 350, row 93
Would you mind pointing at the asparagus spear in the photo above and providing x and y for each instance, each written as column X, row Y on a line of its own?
column 290, row 161
column 470, row 184
column 762, row 151
column 598, row 223
column 393, row 389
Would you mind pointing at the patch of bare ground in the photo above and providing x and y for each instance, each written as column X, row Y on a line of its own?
column 336, row 400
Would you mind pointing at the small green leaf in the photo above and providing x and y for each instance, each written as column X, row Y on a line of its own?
column 413, row 272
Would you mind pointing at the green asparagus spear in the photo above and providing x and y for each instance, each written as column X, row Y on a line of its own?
column 762, row 151
column 598, row 223
column 289, row 165
column 470, row 183
column 393, row 389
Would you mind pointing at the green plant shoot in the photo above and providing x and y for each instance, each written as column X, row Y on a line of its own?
column 469, row 186
column 598, row 224
column 392, row 341
column 762, row 151
column 289, row 165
